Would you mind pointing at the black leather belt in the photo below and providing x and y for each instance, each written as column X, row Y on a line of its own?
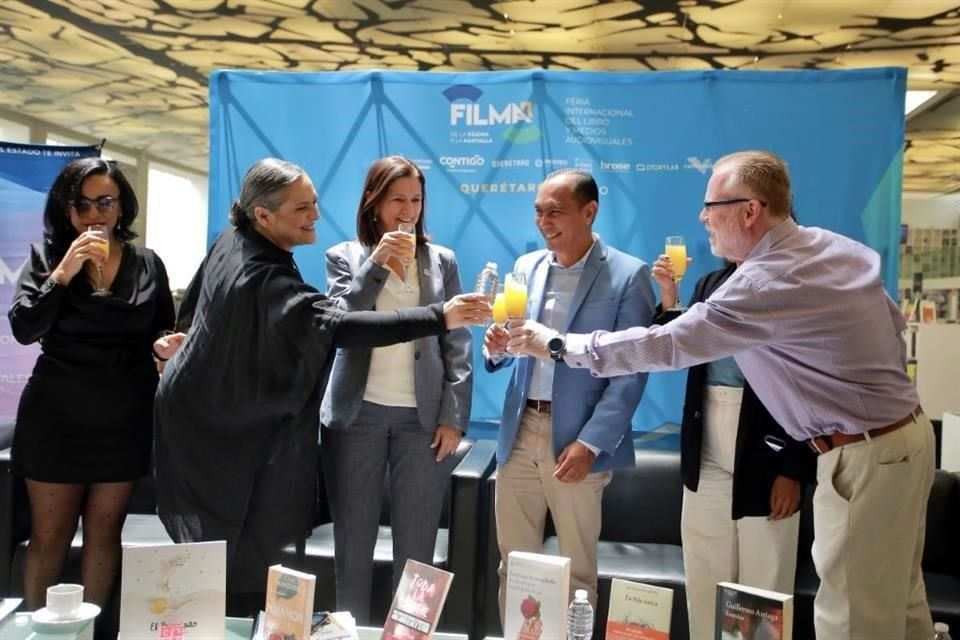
column 822, row 444
column 540, row 406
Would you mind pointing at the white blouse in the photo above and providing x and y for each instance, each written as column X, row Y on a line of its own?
column 390, row 381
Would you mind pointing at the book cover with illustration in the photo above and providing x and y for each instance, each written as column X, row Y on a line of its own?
column 288, row 611
column 638, row 611
column 418, row 602
column 538, row 590
column 173, row 591
column 748, row 613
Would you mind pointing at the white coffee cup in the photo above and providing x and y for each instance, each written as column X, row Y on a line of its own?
column 64, row 600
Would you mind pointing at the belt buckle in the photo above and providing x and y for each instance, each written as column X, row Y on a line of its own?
column 541, row 406
column 815, row 445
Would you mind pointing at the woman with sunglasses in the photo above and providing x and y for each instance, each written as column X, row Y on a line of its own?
column 84, row 424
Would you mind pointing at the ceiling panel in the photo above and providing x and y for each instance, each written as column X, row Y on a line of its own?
column 136, row 71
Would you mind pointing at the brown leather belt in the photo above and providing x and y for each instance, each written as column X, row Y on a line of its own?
column 540, row 406
column 823, row 444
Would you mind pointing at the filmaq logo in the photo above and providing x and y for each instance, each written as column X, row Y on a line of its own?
column 468, row 114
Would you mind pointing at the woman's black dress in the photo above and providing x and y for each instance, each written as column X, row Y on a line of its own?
column 86, row 413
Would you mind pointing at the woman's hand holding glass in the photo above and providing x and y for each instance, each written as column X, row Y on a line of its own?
column 466, row 309
column 666, row 279
column 86, row 246
column 393, row 244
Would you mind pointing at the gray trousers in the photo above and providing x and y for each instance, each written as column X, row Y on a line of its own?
column 354, row 462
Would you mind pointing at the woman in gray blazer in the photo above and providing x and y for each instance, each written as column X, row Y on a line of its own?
column 405, row 407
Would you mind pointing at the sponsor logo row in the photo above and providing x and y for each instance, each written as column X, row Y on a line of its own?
column 472, row 163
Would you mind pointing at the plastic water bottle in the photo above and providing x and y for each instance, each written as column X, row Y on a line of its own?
column 487, row 281
column 580, row 617
column 941, row 631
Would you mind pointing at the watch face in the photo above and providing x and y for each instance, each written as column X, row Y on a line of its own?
column 555, row 346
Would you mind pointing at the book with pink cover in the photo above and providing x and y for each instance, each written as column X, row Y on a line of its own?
column 638, row 611
column 538, row 588
column 417, row 603
column 288, row 612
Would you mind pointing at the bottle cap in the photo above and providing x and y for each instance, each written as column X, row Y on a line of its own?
column 941, row 627
column 580, row 594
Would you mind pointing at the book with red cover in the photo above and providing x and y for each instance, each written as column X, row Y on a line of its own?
column 417, row 603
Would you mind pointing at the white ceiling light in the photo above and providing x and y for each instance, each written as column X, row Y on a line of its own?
column 915, row 99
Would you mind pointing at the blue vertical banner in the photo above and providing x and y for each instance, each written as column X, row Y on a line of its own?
column 486, row 141
column 26, row 173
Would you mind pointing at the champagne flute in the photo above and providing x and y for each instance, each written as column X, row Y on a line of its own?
column 500, row 306
column 515, row 297
column 500, row 310
column 676, row 250
column 410, row 229
column 103, row 238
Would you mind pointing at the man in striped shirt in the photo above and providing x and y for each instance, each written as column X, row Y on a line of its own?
column 817, row 337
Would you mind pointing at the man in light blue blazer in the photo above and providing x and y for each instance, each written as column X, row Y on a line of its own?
column 563, row 431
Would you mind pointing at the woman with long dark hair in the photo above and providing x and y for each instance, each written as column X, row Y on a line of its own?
column 404, row 406
column 96, row 303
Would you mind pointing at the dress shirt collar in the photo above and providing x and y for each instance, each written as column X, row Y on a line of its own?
column 579, row 263
column 772, row 237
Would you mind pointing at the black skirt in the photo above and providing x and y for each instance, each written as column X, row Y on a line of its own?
column 86, row 418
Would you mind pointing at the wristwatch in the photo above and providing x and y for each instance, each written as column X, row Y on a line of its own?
column 557, row 347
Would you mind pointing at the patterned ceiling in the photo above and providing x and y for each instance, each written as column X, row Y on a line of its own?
column 135, row 71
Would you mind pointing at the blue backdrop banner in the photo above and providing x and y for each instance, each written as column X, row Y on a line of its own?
column 486, row 140
column 26, row 173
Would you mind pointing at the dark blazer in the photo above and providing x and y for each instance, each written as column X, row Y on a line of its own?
column 756, row 464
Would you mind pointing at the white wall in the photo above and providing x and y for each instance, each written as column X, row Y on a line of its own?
column 14, row 132
column 177, row 221
column 931, row 210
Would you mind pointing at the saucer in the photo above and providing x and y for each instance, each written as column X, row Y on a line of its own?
column 44, row 616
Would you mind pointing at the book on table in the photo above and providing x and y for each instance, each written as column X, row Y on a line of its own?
column 173, row 591
column 749, row 613
column 538, row 592
column 638, row 611
column 418, row 602
column 288, row 610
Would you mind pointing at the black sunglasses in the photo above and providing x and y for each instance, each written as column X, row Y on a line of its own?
column 102, row 203
column 721, row 203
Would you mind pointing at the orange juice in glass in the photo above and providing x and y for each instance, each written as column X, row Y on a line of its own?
column 100, row 232
column 676, row 250
column 500, row 307
column 515, row 295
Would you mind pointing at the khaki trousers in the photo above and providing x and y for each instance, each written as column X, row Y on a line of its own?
column 870, row 510
column 753, row 551
column 526, row 488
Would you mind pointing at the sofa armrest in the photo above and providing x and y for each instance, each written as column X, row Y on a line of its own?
column 14, row 518
column 469, row 503
column 488, row 605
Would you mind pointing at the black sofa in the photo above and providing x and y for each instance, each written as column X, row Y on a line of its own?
column 456, row 550
column 640, row 540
